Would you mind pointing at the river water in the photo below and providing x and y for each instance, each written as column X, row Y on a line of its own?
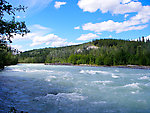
column 39, row 88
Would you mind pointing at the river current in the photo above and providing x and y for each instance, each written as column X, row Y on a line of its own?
column 39, row 88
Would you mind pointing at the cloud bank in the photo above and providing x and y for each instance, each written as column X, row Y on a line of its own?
column 112, row 6
column 124, row 7
column 42, row 36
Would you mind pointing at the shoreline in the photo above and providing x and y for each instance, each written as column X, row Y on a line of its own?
column 133, row 67
column 119, row 66
column 116, row 66
column 89, row 65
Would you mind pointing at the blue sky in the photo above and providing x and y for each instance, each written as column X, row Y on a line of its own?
column 55, row 23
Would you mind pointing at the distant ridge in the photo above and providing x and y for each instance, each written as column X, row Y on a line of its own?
column 99, row 52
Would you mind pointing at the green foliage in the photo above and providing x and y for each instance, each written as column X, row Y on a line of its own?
column 7, row 58
column 120, row 57
column 99, row 60
column 8, row 28
column 109, row 52
column 11, row 27
column 108, row 60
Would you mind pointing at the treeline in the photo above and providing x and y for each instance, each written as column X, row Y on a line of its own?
column 99, row 52
column 48, row 55
column 115, row 52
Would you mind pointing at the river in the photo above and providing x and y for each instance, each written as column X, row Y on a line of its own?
column 39, row 88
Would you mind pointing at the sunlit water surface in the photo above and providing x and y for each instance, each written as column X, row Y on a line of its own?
column 39, row 88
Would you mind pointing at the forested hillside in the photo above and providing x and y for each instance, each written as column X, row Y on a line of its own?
column 99, row 52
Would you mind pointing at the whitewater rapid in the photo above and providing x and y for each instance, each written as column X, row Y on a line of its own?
column 37, row 88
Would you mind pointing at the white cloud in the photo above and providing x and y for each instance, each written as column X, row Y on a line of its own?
column 47, row 39
column 38, row 39
column 78, row 27
column 39, row 30
column 41, row 35
column 51, row 40
column 127, row 8
column 113, row 6
column 58, row 4
column 113, row 26
column 126, row 1
column 137, row 22
column 37, row 26
column 88, row 36
column 143, row 16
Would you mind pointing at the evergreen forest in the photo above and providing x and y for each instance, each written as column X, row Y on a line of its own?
column 98, row 52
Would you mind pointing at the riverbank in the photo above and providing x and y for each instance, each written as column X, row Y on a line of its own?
column 3, row 66
column 59, row 64
column 133, row 67
column 93, row 65
column 118, row 66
